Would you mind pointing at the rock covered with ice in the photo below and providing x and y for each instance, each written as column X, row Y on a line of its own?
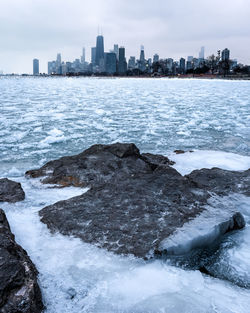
column 10, row 191
column 19, row 290
column 135, row 200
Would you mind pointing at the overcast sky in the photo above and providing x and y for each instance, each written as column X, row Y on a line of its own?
column 172, row 28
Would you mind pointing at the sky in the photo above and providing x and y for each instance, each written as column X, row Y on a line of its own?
column 172, row 28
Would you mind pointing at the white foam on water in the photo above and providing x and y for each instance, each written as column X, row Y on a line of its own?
column 190, row 161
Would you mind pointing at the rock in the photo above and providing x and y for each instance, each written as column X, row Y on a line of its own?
column 128, row 215
column 19, row 290
column 179, row 151
column 96, row 165
column 157, row 159
column 221, row 181
column 135, row 201
column 10, row 191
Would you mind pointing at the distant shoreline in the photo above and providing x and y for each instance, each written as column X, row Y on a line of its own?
column 188, row 76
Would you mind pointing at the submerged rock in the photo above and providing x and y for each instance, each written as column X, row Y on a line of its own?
column 19, row 290
column 135, row 200
column 10, row 191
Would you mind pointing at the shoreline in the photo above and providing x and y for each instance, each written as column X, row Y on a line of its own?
column 212, row 77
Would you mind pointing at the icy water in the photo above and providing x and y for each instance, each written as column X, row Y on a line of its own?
column 46, row 118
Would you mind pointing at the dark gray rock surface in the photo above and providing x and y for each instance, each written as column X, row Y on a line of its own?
column 10, row 191
column 135, row 200
column 19, row 290
column 220, row 181
column 97, row 165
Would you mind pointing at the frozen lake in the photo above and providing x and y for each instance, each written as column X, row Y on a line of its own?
column 46, row 118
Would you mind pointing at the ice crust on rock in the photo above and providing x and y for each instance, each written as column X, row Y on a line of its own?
column 206, row 229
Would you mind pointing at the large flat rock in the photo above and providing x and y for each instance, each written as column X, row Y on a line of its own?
column 19, row 290
column 134, row 202
column 10, row 191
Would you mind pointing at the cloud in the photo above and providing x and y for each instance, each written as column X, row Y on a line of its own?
column 41, row 28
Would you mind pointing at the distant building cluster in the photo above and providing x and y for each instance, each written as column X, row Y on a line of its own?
column 114, row 62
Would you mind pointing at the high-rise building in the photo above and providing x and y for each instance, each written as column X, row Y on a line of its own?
column 122, row 64
column 35, row 67
column 116, row 51
column 110, row 62
column 99, row 49
column 83, row 56
column 77, row 65
column 58, row 64
column 93, row 55
column 64, row 68
column 202, row 53
column 189, row 65
column 142, row 61
column 142, row 54
column 51, row 67
column 190, row 58
column 131, row 63
column 182, row 66
column 169, row 64
column 225, row 55
column 156, row 58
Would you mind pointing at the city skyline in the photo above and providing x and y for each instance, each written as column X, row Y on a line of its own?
column 170, row 28
column 114, row 62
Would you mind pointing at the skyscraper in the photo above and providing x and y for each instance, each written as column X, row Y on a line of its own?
column 202, row 53
column 122, row 64
column 58, row 63
column 182, row 65
column 142, row 54
column 116, row 51
column 110, row 62
column 35, row 67
column 131, row 63
column 225, row 55
column 93, row 55
column 142, row 61
column 99, row 49
column 83, row 56
column 156, row 58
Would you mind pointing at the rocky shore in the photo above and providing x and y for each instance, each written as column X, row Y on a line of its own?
column 134, row 204
column 19, row 289
column 135, row 201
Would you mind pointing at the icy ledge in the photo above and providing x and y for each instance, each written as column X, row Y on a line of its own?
column 203, row 231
